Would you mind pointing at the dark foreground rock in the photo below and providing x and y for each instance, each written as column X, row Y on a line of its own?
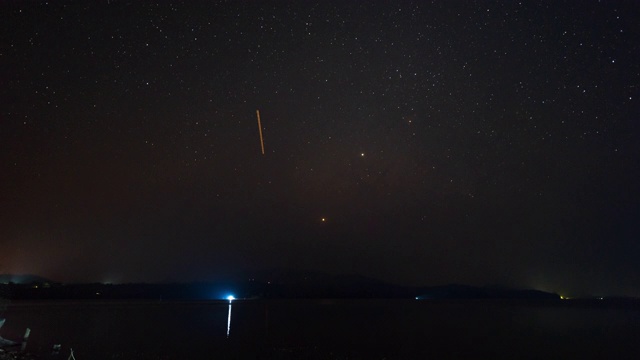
column 16, row 355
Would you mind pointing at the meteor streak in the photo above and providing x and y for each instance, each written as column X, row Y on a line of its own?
column 260, row 131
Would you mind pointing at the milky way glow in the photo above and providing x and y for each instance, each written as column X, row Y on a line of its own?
column 483, row 142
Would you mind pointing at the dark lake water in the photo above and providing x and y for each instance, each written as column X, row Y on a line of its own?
column 328, row 329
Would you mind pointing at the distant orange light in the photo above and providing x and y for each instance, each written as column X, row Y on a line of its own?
column 323, row 219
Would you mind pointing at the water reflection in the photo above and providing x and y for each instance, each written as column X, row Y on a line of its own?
column 229, row 319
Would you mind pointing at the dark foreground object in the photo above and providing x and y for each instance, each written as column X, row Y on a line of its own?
column 16, row 355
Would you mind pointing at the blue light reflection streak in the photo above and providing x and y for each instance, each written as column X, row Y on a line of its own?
column 229, row 319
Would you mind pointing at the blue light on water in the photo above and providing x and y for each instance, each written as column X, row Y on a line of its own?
column 229, row 316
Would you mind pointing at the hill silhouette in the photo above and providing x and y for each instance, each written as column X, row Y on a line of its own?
column 271, row 284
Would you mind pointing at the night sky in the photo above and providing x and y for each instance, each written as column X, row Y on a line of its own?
column 421, row 143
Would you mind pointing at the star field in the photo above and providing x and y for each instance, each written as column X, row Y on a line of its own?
column 420, row 142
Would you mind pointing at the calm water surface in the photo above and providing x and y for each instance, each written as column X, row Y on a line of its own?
column 327, row 329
